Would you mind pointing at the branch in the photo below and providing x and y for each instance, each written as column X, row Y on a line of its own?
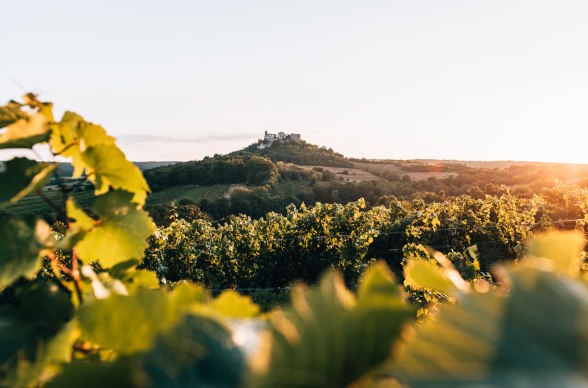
column 55, row 261
column 75, row 274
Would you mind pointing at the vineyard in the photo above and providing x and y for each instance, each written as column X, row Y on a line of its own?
column 34, row 204
column 275, row 250
column 109, row 300
column 192, row 192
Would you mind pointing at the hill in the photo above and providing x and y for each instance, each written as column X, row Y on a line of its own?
column 250, row 166
column 256, row 180
column 297, row 152
column 243, row 168
column 267, row 177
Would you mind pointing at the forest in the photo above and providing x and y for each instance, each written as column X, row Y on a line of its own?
column 444, row 285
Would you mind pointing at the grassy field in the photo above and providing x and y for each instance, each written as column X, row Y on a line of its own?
column 392, row 168
column 193, row 192
column 353, row 174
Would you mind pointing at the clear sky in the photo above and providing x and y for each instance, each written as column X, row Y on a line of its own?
column 178, row 80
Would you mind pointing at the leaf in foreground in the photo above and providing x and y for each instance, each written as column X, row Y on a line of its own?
column 108, row 167
column 25, row 133
column 330, row 339
column 145, row 314
column 35, row 335
column 534, row 337
column 23, row 176
column 198, row 352
column 120, row 234
column 21, row 240
column 11, row 113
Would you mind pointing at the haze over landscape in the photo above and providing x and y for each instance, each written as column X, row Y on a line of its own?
column 179, row 80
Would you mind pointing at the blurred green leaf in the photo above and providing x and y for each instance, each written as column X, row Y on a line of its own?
column 96, row 153
column 26, row 132
column 11, row 113
column 35, row 335
column 327, row 338
column 231, row 304
column 534, row 337
column 119, row 235
column 144, row 278
column 108, row 167
column 562, row 248
column 23, row 176
column 21, row 240
column 79, row 220
column 79, row 224
column 378, row 286
column 198, row 352
column 120, row 373
column 145, row 314
column 73, row 135
column 423, row 274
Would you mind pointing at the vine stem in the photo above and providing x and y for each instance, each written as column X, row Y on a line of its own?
column 55, row 262
column 75, row 274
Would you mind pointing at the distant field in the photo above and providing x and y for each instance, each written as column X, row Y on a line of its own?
column 36, row 205
column 490, row 164
column 392, row 168
column 147, row 165
column 353, row 174
column 193, row 192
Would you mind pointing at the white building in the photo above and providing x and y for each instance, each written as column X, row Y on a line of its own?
column 269, row 138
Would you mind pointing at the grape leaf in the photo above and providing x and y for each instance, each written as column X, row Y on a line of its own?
column 21, row 240
column 119, row 235
column 329, row 338
column 144, row 278
column 26, row 132
column 79, row 224
column 120, row 373
column 421, row 273
column 72, row 135
column 108, row 167
column 561, row 248
column 490, row 340
column 35, row 334
column 23, row 176
column 11, row 113
column 197, row 352
column 145, row 313
column 79, row 220
column 95, row 152
column 230, row 304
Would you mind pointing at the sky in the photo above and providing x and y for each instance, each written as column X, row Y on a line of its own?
column 179, row 80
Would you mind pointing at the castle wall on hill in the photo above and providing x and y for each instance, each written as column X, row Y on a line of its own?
column 269, row 138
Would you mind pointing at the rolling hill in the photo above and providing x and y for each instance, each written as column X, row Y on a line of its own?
column 256, row 180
